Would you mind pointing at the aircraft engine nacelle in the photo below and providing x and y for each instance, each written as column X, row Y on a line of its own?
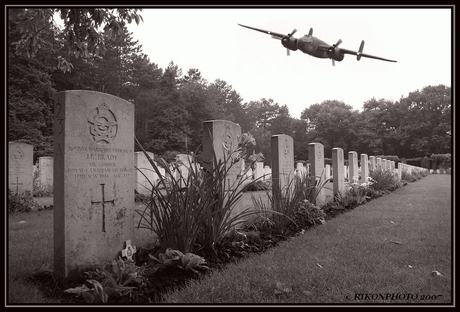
column 289, row 43
column 334, row 53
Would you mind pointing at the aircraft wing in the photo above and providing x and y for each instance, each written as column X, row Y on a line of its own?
column 276, row 35
column 346, row 51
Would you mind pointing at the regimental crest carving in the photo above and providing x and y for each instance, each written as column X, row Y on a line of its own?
column 227, row 141
column 286, row 148
column 17, row 154
column 103, row 124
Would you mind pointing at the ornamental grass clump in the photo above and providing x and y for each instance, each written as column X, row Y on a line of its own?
column 184, row 210
column 292, row 206
column 384, row 181
column 219, row 220
column 176, row 207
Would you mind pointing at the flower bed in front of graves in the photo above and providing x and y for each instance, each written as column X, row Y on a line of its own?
column 155, row 271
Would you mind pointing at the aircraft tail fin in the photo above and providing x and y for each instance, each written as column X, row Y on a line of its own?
column 361, row 47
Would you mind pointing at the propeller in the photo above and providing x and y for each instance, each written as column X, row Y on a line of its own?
column 331, row 50
column 289, row 36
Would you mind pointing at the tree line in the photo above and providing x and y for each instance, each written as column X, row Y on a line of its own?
column 171, row 105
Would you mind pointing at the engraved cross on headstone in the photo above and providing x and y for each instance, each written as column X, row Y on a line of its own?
column 17, row 184
column 103, row 201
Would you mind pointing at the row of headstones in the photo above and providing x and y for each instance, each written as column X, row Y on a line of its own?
column 93, row 165
column 146, row 176
column 410, row 169
column 21, row 169
column 21, row 177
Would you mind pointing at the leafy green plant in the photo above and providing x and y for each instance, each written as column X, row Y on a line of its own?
column 90, row 295
column 111, row 281
column 188, row 262
column 308, row 214
column 357, row 192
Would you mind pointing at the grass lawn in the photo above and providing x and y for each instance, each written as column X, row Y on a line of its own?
column 389, row 245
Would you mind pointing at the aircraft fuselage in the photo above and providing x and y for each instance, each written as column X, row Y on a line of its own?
column 312, row 46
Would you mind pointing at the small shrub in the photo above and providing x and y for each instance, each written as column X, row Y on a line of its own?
column 22, row 203
column 308, row 214
column 357, row 193
column 188, row 262
column 443, row 161
column 384, row 180
column 112, row 280
column 425, row 162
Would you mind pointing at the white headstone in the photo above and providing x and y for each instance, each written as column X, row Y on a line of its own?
column 267, row 173
column 282, row 148
column 20, row 171
column 220, row 138
column 371, row 163
column 94, row 179
column 353, row 165
column 339, row 174
column 364, row 168
column 327, row 169
column 145, row 175
column 259, row 171
column 379, row 163
column 316, row 158
column 46, row 166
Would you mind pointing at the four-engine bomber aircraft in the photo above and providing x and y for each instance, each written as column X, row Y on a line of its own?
column 316, row 47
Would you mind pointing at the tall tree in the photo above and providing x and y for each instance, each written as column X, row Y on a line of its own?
column 267, row 118
column 332, row 123
column 30, row 92
column 376, row 127
column 165, row 119
column 199, row 103
column 85, row 30
column 429, row 119
column 229, row 104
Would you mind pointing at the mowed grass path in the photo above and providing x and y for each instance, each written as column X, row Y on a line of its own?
column 390, row 245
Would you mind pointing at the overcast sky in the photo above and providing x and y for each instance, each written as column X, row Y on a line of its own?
column 419, row 39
